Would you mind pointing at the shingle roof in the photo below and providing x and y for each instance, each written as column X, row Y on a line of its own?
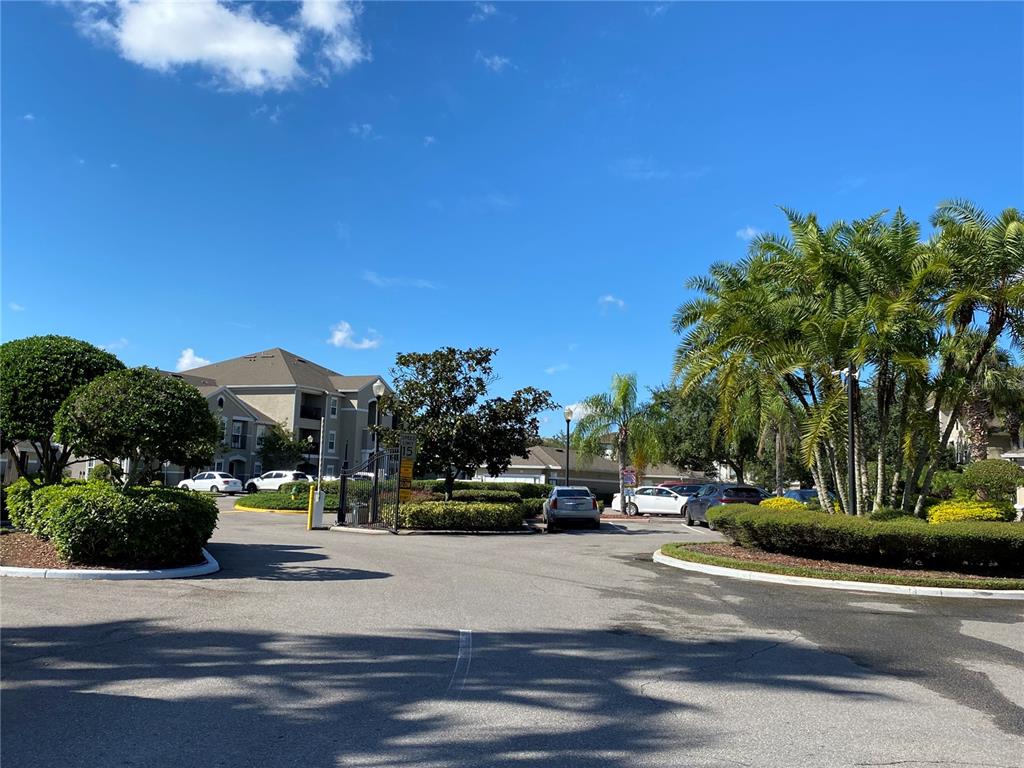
column 352, row 383
column 279, row 367
column 554, row 458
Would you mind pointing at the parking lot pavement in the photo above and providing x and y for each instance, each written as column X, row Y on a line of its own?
column 572, row 649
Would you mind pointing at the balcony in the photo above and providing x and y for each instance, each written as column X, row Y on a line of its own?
column 310, row 412
column 239, row 441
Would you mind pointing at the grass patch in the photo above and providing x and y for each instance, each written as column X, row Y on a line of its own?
column 841, row 571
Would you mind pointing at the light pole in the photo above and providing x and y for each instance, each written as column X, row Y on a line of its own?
column 309, row 450
column 568, row 418
column 378, row 392
column 379, row 388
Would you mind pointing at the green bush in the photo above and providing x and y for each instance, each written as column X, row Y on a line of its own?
column 973, row 547
column 485, row 495
column 19, row 504
column 888, row 513
column 278, row 500
column 965, row 509
column 525, row 490
column 534, row 507
column 460, row 516
column 100, row 472
column 94, row 523
column 993, row 479
column 947, row 484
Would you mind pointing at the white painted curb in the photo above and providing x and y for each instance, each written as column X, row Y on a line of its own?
column 84, row 574
column 853, row 586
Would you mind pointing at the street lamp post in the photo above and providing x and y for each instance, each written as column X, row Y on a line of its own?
column 378, row 392
column 568, row 418
column 309, row 450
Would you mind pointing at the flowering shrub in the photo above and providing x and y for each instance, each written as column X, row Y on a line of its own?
column 958, row 510
column 782, row 503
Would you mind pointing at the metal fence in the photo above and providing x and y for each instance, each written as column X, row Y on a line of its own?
column 368, row 493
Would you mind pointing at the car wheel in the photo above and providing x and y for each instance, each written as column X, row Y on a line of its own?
column 595, row 524
column 632, row 510
column 214, row 489
column 551, row 527
column 250, row 488
column 689, row 520
column 711, row 526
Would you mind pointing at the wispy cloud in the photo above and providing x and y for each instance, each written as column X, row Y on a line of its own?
column 271, row 114
column 656, row 9
column 114, row 166
column 16, row 307
column 482, row 11
column 499, row 201
column 429, row 140
column 363, row 131
column 121, row 343
column 28, row 117
column 396, row 282
column 557, row 368
column 344, row 336
column 240, row 48
column 748, row 233
column 639, row 169
column 608, row 300
column 494, row 62
column 80, row 160
column 188, row 359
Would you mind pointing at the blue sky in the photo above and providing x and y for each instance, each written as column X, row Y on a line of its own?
column 397, row 177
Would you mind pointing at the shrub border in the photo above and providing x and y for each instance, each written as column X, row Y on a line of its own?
column 96, row 574
column 746, row 571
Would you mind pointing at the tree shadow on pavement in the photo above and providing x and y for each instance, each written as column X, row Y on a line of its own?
column 280, row 562
column 137, row 693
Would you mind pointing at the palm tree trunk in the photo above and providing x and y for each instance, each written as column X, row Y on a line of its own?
column 780, row 461
column 623, row 444
column 1012, row 423
column 976, row 416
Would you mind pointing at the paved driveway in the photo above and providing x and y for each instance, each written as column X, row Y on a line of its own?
column 323, row 649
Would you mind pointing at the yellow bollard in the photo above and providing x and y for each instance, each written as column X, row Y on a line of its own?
column 309, row 511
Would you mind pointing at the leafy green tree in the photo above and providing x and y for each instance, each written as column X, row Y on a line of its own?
column 37, row 374
column 441, row 395
column 635, row 423
column 280, row 449
column 140, row 415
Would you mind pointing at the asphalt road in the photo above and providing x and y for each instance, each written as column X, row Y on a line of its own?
column 330, row 649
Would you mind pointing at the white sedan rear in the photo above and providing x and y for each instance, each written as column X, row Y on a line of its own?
column 213, row 482
column 656, row 500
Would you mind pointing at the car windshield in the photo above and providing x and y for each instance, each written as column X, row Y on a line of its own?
column 685, row 489
column 573, row 493
column 749, row 492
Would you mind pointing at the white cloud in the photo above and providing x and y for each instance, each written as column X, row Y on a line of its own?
column 495, row 63
column 114, row 166
column 611, row 301
column 188, row 359
column 342, row 335
column 483, row 11
column 396, row 282
column 747, row 233
column 428, row 140
column 579, row 410
column 336, row 21
column 363, row 131
column 640, row 169
column 123, row 342
column 28, row 117
column 273, row 115
column 240, row 48
column 16, row 307
column 80, row 160
column 658, row 9
column 557, row 368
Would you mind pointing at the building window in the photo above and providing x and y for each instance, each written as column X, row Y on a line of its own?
column 220, row 402
column 334, row 407
column 238, row 434
column 330, row 441
column 218, row 466
column 261, row 434
column 330, row 470
column 257, row 469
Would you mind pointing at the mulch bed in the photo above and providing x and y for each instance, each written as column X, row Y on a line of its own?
column 26, row 551
column 759, row 556
column 23, row 550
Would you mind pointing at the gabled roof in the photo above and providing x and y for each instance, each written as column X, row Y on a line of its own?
column 271, row 367
column 554, row 458
column 353, row 383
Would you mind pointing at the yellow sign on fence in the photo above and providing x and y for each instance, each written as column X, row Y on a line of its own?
column 407, row 454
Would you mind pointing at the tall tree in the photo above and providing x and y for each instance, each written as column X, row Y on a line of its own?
column 635, row 423
column 37, row 374
column 441, row 396
column 280, row 449
column 140, row 415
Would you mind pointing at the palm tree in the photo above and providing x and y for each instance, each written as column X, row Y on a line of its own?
column 634, row 423
column 997, row 388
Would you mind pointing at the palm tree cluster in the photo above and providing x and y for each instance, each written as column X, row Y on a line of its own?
column 918, row 324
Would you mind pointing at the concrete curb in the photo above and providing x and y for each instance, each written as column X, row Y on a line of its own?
column 417, row 532
column 851, row 586
column 85, row 574
column 364, row 531
column 238, row 508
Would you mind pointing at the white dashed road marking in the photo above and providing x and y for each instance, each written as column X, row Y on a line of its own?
column 462, row 662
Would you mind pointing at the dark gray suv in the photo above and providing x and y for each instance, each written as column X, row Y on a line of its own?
column 713, row 494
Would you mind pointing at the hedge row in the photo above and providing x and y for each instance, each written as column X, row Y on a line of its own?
column 525, row 490
column 461, row 516
column 98, row 524
column 973, row 547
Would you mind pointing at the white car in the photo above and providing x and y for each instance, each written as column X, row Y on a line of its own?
column 657, row 499
column 213, row 482
column 272, row 481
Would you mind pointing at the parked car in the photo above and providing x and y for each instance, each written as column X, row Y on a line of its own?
column 713, row 494
column 657, row 500
column 574, row 502
column 272, row 481
column 803, row 495
column 213, row 482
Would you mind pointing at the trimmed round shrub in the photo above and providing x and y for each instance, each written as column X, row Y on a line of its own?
column 960, row 509
column 781, row 502
column 100, row 472
column 948, row 483
column 969, row 546
column 993, row 479
column 97, row 524
column 485, row 495
column 535, row 507
column 460, row 516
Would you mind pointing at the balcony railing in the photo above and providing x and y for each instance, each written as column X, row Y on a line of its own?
column 310, row 412
column 238, row 441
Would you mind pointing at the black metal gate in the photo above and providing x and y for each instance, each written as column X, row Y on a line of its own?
column 368, row 493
